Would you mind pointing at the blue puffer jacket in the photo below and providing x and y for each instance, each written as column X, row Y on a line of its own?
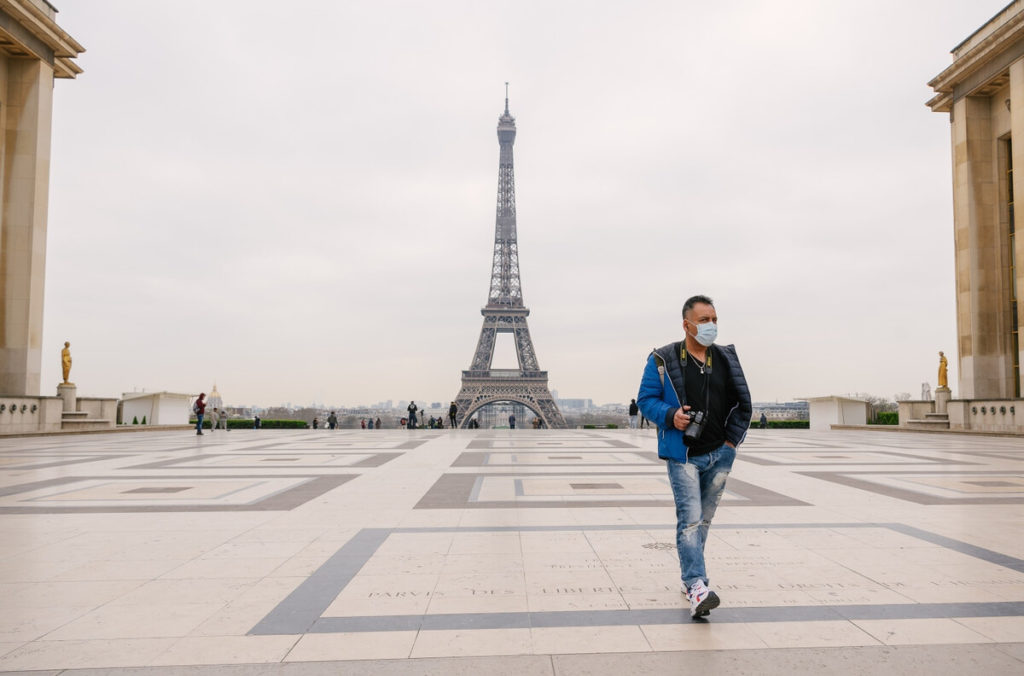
column 657, row 400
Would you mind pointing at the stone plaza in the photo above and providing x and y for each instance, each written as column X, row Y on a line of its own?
column 510, row 552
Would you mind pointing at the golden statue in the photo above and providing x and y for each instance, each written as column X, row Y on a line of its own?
column 65, row 361
column 943, row 364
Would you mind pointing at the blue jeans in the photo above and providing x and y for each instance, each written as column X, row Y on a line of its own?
column 697, row 486
column 199, row 422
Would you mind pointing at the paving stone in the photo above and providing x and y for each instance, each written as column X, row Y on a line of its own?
column 301, row 552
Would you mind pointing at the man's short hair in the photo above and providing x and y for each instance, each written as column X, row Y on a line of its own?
column 693, row 300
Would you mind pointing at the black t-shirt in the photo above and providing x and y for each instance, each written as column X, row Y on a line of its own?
column 721, row 400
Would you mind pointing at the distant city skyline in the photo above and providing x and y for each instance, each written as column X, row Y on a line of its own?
column 318, row 225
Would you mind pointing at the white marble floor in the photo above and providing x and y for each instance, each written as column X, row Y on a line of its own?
column 270, row 548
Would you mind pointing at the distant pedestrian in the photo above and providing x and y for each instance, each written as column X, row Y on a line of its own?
column 512, row 421
column 369, row 423
column 214, row 419
column 378, row 423
column 453, row 411
column 412, row 408
column 316, row 422
column 403, row 422
column 256, row 422
column 332, row 421
column 224, row 419
column 764, row 421
column 199, row 408
column 362, row 423
column 633, row 410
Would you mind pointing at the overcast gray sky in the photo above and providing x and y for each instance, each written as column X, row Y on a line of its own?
column 296, row 200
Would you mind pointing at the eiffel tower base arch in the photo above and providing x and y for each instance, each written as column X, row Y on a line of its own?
column 478, row 392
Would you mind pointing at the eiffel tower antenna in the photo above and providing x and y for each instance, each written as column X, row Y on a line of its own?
column 505, row 313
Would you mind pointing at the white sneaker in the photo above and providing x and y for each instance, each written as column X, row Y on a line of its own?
column 702, row 599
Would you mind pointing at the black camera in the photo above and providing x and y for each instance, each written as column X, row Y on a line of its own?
column 696, row 426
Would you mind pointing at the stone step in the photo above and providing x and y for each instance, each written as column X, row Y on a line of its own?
column 83, row 424
column 929, row 424
column 936, row 416
column 74, row 415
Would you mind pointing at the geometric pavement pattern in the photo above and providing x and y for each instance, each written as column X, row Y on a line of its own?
column 272, row 547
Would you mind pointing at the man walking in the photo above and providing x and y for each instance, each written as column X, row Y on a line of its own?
column 633, row 410
column 453, row 411
column 412, row 408
column 696, row 394
column 199, row 408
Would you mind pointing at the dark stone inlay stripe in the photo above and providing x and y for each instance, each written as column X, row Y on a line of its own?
column 288, row 499
column 55, row 463
column 850, row 479
column 605, row 618
column 997, row 558
column 481, row 459
column 454, row 491
column 375, row 459
column 166, row 489
column 755, row 456
column 623, row 526
column 304, row 606
column 526, row 444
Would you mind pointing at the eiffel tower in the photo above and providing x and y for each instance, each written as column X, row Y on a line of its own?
column 505, row 313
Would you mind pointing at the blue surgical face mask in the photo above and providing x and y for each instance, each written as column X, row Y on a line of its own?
column 706, row 333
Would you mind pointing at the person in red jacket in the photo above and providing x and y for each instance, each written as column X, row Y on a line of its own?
column 199, row 408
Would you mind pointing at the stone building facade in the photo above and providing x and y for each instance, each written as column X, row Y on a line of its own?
column 983, row 94
column 33, row 51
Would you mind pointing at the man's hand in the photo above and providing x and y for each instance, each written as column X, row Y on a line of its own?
column 681, row 419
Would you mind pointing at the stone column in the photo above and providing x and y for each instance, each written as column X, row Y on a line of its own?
column 69, row 393
column 26, row 88
column 981, row 309
column 1017, row 136
column 942, row 397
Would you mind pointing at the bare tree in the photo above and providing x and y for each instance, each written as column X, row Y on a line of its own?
column 876, row 404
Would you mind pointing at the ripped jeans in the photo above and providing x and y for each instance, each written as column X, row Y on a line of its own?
column 697, row 486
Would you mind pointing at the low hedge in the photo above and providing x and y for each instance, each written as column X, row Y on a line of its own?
column 783, row 424
column 886, row 418
column 243, row 424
